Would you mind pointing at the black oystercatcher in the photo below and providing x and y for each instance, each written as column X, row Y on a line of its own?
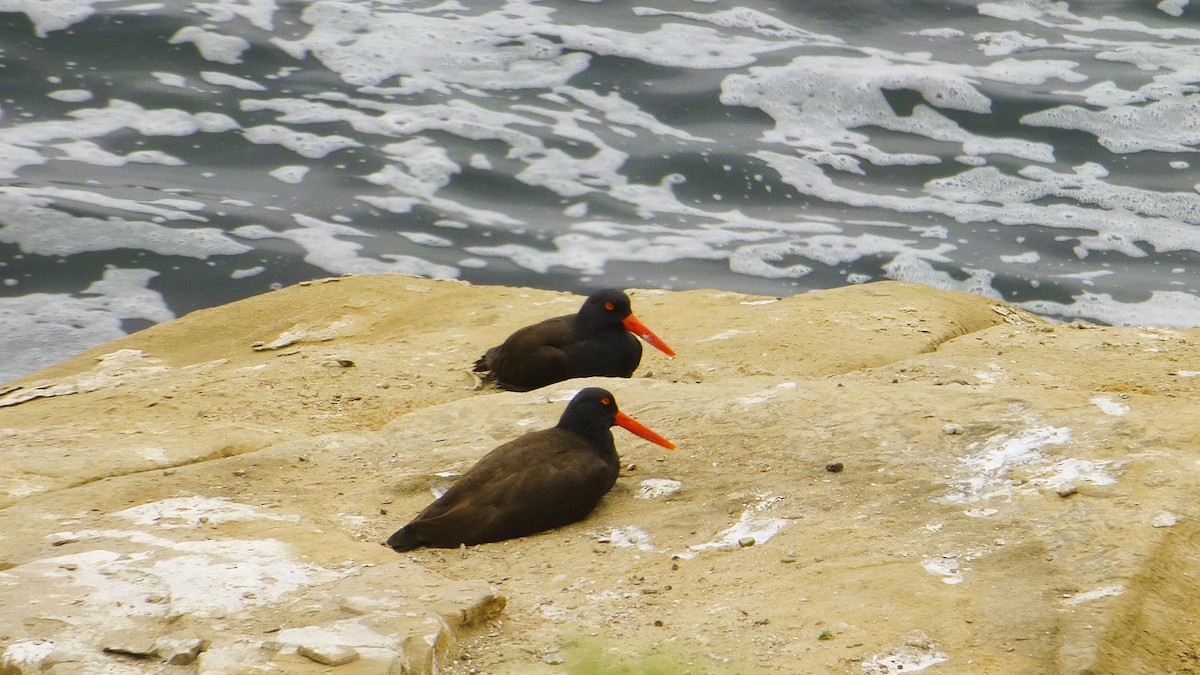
column 594, row 341
column 539, row 481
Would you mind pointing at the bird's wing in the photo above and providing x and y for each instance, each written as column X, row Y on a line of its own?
column 534, row 355
column 539, row 481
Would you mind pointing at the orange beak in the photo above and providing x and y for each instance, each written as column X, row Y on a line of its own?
column 639, row 329
column 626, row 422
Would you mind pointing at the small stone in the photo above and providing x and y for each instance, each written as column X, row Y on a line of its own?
column 60, row 538
column 180, row 649
column 129, row 641
column 239, row 472
column 952, row 429
column 1066, row 490
column 835, row 467
column 328, row 655
column 554, row 659
column 745, row 542
column 1165, row 519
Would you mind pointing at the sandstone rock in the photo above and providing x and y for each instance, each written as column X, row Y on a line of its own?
column 180, row 649
column 130, row 641
column 329, row 655
column 183, row 480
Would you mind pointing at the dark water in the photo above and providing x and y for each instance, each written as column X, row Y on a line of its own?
column 161, row 157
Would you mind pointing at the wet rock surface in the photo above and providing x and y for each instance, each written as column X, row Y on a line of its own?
column 209, row 495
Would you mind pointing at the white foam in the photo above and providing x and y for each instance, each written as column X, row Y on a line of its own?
column 213, row 46
column 170, row 79
column 227, row 80
column 1163, row 308
column 18, row 143
column 312, row 146
column 426, row 239
column 325, row 249
column 1173, row 7
column 71, row 95
column 360, row 45
column 38, row 229
column 73, row 324
column 1026, row 258
column 292, row 173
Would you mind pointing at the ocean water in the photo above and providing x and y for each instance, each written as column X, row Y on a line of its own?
column 161, row 157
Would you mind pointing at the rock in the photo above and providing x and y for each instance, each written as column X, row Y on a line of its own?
column 1165, row 519
column 233, row 503
column 180, row 649
column 835, row 467
column 60, row 538
column 328, row 655
column 25, row 657
column 134, row 642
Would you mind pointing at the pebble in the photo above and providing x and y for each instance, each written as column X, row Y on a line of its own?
column 131, row 642
column 835, row 467
column 1066, row 490
column 952, row 429
column 1165, row 519
column 554, row 659
column 180, row 649
column 60, row 538
column 746, row 542
column 328, row 655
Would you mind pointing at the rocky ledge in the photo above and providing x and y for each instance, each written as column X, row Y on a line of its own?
column 874, row 479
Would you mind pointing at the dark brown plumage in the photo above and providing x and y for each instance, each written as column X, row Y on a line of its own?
column 598, row 340
column 542, row 480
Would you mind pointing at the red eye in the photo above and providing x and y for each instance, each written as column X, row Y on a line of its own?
column 606, row 401
column 609, row 306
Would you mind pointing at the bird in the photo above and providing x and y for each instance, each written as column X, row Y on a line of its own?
column 598, row 340
column 536, row 482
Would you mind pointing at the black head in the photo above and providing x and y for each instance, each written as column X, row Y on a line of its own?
column 592, row 408
column 607, row 306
